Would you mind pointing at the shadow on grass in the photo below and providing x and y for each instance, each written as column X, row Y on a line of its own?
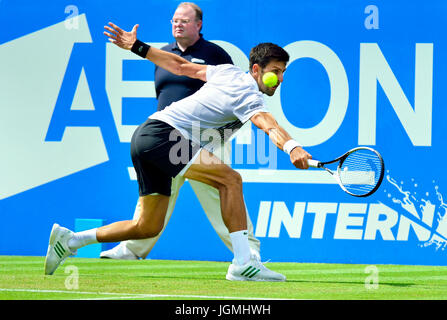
column 392, row 284
column 222, row 278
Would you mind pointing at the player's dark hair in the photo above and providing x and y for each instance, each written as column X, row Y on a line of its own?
column 265, row 52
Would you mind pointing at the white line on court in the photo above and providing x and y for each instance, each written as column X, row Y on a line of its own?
column 120, row 295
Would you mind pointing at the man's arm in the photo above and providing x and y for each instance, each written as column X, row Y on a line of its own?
column 176, row 64
column 166, row 60
column 267, row 123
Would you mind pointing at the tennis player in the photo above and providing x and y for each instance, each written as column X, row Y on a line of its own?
column 189, row 44
column 229, row 98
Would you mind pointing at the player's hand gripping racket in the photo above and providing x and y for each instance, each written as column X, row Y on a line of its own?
column 359, row 172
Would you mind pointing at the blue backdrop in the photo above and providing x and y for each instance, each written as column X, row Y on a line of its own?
column 361, row 73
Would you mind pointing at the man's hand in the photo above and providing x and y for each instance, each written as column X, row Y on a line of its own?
column 299, row 157
column 121, row 38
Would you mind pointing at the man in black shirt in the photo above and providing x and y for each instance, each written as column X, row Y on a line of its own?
column 170, row 87
column 189, row 44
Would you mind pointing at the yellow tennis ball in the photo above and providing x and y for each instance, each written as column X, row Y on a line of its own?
column 270, row 79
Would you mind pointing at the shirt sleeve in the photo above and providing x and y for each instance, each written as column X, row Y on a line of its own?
column 251, row 103
column 210, row 72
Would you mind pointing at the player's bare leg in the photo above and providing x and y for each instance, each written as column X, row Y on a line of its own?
column 148, row 224
column 64, row 242
column 209, row 169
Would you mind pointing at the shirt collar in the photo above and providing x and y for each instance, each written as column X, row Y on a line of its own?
column 195, row 46
column 252, row 81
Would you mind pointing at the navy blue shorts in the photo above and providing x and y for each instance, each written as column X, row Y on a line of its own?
column 159, row 152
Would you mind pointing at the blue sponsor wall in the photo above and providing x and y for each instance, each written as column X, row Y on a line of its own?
column 361, row 73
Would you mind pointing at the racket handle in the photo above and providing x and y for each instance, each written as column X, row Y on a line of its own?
column 313, row 163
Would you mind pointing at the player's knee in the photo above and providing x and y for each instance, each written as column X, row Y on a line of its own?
column 236, row 178
column 232, row 179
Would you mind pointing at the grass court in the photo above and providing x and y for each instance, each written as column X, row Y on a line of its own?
column 22, row 278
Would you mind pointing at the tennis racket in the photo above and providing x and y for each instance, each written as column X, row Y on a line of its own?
column 359, row 172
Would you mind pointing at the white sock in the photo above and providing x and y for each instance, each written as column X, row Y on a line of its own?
column 82, row 238
column 241, row 249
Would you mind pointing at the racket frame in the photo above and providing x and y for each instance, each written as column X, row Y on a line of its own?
column 321, row 165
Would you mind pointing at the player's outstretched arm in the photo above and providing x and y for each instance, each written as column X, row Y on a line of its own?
column 267, row 123
column 166, row 60
column 176, row 64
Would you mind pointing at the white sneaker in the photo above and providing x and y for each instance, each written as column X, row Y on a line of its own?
column 255, row 254
column 119, row 252
column 58, row 249
column 253, row 270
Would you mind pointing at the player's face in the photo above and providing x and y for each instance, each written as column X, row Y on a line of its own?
column 184, row 24
column 278, row 68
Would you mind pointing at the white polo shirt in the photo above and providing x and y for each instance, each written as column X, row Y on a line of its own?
column 229, row 98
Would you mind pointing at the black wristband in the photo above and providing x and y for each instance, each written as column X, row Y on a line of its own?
column 140, row 48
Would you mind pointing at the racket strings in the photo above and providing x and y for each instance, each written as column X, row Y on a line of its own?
column 361, row 171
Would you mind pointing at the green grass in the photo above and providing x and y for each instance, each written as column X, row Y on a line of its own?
column 22, row 278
